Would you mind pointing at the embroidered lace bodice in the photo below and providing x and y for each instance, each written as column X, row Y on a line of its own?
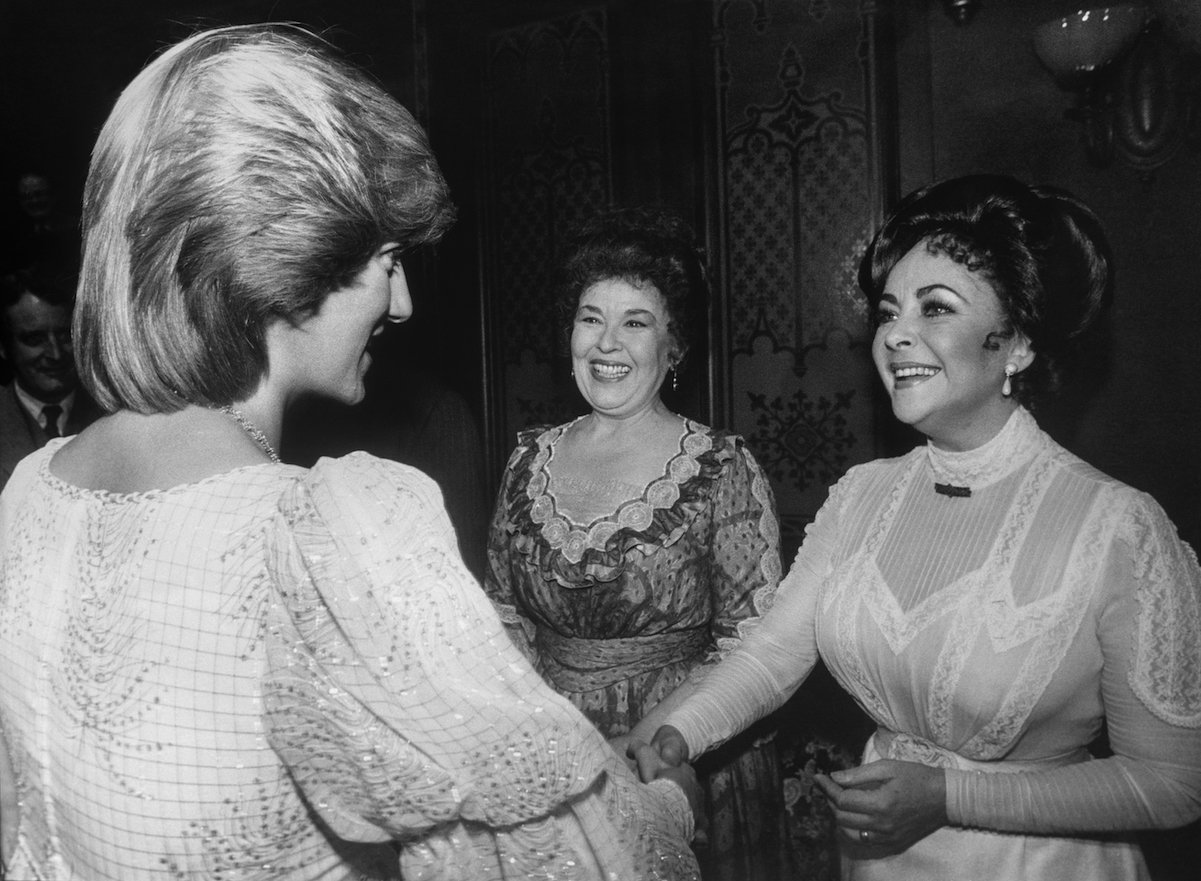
column 185, row 675
column 1001, row 627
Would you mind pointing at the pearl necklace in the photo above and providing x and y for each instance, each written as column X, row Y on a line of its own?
column 252, row 431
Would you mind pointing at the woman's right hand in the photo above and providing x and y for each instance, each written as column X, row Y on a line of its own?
column 651, row 766
column 669, row 743
column 667, row 749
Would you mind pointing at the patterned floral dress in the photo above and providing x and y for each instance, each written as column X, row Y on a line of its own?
column 618, row 611
column 280, row 673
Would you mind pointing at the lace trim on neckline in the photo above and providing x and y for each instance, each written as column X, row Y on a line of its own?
column 571, row 539
column 1012, row 447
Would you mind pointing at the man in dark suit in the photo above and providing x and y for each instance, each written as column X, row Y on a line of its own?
column 43, row 398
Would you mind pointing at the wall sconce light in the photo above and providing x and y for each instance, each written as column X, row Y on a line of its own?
column 961, row 11
column 1136, row 78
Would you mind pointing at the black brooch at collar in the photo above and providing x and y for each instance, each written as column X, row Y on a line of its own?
column 955, row 492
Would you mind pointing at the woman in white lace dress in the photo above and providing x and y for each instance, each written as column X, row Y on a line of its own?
column 989, row 599
column 214, row 665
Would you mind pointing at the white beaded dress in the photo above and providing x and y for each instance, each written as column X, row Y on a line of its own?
column 992, row 635
column 281, row 673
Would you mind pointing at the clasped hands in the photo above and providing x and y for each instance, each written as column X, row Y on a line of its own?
column 881, row 807
column 666, row 757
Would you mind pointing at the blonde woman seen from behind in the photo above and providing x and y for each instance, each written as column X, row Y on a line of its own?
column 213, row 664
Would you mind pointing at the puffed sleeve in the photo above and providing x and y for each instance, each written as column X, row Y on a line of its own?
column 776, row 657
column 498, row 576
column 1149, row 633
column 745, row 550
column 403, row 711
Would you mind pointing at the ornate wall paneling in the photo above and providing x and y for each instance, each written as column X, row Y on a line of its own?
column 801, row 184
column 595, row 104
column 548, row 163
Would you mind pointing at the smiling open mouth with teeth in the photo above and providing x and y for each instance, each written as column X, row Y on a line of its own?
column 610, row 371
column 910, row 372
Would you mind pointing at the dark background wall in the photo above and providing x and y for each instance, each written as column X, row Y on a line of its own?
column 779, row 127
column 969, row 98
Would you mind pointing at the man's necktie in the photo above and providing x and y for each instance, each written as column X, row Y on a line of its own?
column 51, row 412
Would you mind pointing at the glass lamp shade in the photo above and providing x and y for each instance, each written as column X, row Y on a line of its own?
column 1088, row 39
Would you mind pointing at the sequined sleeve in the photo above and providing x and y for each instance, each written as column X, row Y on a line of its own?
column 404, row 711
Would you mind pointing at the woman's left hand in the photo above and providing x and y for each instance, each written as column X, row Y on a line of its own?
column 887, row 806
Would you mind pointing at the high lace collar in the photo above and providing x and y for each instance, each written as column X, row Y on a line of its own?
column 1012, row 447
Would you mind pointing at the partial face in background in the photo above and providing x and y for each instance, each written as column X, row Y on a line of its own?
column 621, row 347
column 34, row 196
column 36, row 342
column 932, row 350
column 326, row 353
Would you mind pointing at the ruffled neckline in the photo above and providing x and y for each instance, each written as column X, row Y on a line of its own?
column 1011, row 448
column 574, row 539
column 582, row 555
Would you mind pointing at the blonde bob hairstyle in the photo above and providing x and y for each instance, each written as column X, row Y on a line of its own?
column 242, row 177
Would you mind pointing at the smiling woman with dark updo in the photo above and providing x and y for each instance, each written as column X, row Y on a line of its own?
column 989, row 599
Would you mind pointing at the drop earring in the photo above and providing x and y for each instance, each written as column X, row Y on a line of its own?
column 1007, row 385
column 674, row 380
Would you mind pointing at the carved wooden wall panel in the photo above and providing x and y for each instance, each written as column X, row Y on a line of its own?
column 548, row 163
column 786, row 194
column 795, row 210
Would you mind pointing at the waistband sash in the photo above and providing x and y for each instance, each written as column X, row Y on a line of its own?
column 575, row 665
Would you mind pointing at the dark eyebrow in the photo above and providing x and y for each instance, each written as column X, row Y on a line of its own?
column 931, row 288
column 627, row 314
column 923, row 292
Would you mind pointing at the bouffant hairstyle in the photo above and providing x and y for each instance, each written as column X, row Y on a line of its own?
column 1042, row 250
column 642, row 246
column 242, row 177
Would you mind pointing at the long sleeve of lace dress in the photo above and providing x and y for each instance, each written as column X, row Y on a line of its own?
column 1150, row 641
column 404, row 711
column 774, row 659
